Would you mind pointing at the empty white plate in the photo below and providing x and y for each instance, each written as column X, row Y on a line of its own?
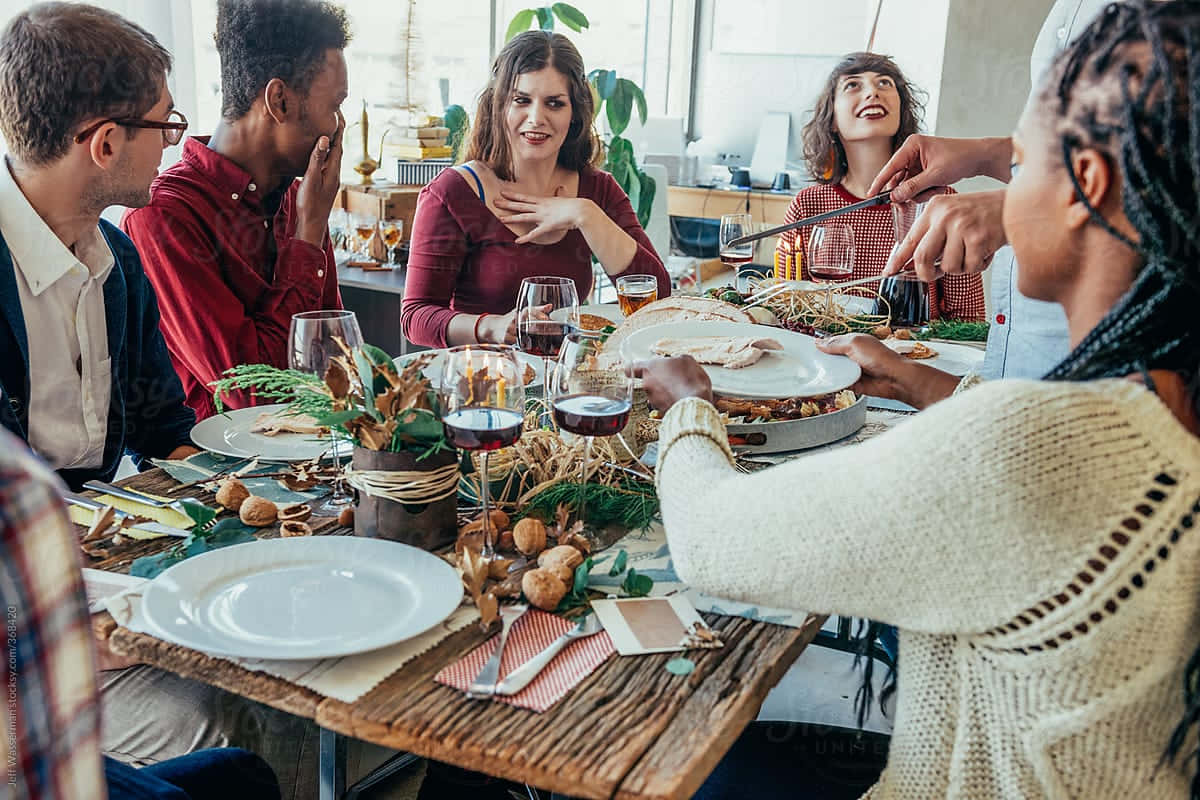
column 301, row 598
column 799, row 370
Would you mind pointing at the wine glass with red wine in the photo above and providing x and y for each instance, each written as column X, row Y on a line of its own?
column 588, row 401
column 735, row 226
column 831, row 252
column 547, row 310
column 483, row 408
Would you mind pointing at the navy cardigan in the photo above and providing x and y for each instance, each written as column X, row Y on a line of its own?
column 146, row 415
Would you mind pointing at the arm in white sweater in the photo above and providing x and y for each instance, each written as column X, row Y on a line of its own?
column 955, row 521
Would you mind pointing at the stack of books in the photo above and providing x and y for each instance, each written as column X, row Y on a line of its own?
column 418, row 143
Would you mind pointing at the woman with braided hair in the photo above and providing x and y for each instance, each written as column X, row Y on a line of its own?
column 1043, row 568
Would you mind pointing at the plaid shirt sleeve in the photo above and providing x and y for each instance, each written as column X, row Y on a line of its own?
column 50, row 745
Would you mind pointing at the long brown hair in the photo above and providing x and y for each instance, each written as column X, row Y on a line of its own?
column 529, row 52
column 823, row 151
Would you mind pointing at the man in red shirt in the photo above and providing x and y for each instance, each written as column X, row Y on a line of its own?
column 232, row 243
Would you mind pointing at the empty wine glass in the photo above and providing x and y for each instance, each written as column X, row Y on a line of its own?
column 483, row 405
column 339, row 229
column 588, row 401
column 735, row 226
column 547, row 310
column 314, row 343
column 392, row 231
column 831, row 252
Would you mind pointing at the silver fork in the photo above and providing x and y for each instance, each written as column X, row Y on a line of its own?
column 484, row 685
column 520, row 677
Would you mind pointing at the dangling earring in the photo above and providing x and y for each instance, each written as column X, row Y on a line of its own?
column 828, row 174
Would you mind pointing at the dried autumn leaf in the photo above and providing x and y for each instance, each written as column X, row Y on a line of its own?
column 561, row 517
column 337, row 380
column 297, row 484
column 103, row 521
column 474, row 571
column 489, row 610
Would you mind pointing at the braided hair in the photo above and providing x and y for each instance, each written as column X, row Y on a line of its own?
column 1129, row 87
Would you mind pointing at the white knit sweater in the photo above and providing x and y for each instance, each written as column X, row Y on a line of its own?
column 1034, row 542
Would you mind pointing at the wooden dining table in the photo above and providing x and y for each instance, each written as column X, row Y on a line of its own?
column 631, row 730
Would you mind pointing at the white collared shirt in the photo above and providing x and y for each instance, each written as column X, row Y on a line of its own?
column 62, row 301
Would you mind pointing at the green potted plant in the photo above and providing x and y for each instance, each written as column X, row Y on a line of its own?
column 405, row 473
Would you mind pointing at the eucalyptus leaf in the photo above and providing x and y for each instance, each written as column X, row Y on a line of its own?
column 581, row 576
column 234, row 534
column 681, row 666
column 200, row 513
column 338, row 418
column 618, row 565
column 519, row 23
column 571, row 16
column 545, row 18
column 195, row 547
column 366, row 375
column 152, row 566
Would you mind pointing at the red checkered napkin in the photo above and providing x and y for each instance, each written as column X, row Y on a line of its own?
column 531, row 634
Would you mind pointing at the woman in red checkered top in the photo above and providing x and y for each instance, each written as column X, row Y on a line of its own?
column 864, row 113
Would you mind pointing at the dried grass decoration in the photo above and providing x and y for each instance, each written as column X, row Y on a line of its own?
column 822, row 309
column 379, row 408
column 540, row 472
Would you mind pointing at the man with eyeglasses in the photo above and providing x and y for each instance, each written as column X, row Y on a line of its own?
column 233, row 244
column 86, row 113
column 84, row 372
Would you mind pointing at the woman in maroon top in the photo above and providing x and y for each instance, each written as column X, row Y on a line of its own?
column 529, row 201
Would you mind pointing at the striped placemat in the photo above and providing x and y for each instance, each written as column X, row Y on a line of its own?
column 531, row 634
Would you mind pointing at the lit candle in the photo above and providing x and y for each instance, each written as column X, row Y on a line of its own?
column 500, row 387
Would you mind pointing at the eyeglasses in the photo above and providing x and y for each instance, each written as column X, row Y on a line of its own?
column 172, row 127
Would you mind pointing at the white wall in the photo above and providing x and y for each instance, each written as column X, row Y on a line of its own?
column 734, row 90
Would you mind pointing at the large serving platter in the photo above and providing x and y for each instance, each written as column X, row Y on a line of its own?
column 799, row 370
column 230, row 434
column 786, row 435
column 301, row 598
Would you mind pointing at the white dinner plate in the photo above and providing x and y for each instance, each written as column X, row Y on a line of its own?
column 433, row 370
column 799, row 370
column 957, row 359
column 229, row 435
column 301, row 598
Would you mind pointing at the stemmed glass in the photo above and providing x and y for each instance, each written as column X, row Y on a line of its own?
column 483, row 406
column 588, row 401
column 735, row 226
column 314, row 343
column 831, row 252
column 339, row 227
column 547, row 310
column 364, row 232
column 392, row 231
column 906, row 295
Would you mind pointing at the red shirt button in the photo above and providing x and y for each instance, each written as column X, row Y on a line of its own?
column 999, row 319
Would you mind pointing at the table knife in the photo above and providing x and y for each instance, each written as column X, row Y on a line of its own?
column 153, row 527
column 137, row 497
column 877, row 200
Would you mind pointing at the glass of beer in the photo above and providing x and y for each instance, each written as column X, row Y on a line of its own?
column 635, row 291
column 392, row 230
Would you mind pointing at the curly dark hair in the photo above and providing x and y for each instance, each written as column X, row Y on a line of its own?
column 259, row 40
column 823, row 151
column 64, row 63
column 529, row 52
